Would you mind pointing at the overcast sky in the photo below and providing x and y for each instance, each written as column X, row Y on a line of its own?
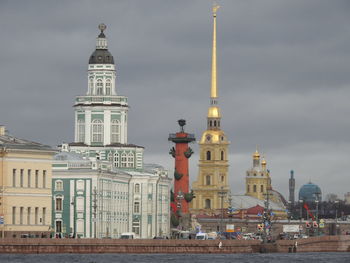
column 283, row 77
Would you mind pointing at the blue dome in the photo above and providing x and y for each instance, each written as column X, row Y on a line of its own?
column 309, row 192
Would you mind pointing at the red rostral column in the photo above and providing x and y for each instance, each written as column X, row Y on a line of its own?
column 181, row 153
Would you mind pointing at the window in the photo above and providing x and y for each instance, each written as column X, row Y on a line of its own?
column 28, row 215
column 29, row 177
column 137, row 188
column 222, row 178
column 36, row 178
column 91, row 86
column 108, row 87
column 99, row 87
column 21, row 178
column 248, row 188
column 130, row 160
column 124, row 159
column 136, row 207
column 115, row 131
column 222, row 155
column 21, row 215
column 116, row 160
column 36, row 215
column 14, row 178
column 58, row 203
column 214, row 123
column 58, row 226
column 208, row 155
column 136, row 226
column 207, row 204
column 254, row 188
column 44, row 179
column 207, row 180
column 13, row 215
column 262, row 188
column 81, row 130
column 59, row 186
column 97, row 131
column 44, row 215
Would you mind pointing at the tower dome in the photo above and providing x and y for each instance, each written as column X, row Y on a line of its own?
column 310, row 192
column 101, row 55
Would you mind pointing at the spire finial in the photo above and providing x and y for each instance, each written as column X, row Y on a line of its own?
column 102, row 27
column 213, row 91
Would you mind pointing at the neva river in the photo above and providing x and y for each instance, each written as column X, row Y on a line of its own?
column 174, row 258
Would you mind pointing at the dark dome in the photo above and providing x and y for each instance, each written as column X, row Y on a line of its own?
column 101, row 56
column 308, row 192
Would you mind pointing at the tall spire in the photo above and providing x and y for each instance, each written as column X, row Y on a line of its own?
column 214, row 91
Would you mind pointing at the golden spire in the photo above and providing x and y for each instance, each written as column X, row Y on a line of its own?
column 214, row 91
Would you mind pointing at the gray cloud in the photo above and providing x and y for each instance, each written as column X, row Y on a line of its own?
column 282, row 69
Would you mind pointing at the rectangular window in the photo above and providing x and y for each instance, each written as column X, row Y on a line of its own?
column 136, row 207
column 29, row 177
column 36, row 178
column 44, row 179
column 14, row 178
column 13, row 215
column 21, row 215
column 36, row 215
column 28, row 215
column 21, row 178
column 58, row 226
column 44, row 215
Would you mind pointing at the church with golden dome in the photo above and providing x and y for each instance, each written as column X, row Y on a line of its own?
column 212, row 182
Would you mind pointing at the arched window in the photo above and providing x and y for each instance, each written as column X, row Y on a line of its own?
column 130, row 160
column 207, row 180
column 115, row 131
column 81, row 130
column 214, row 123
column 108, row 87
column 58, row 186
column 137, row 188
column 116, row 160
column 222, row 155
column 97, row 131
column 207, row 204
column 254, row 188
column 123, row 160
column 208, row 155
column 262, row 188
column 58, row 203
column 99, row 87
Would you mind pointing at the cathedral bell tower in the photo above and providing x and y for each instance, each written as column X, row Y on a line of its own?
column 212, row 181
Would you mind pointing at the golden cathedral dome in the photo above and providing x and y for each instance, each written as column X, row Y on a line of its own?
column 256, row 155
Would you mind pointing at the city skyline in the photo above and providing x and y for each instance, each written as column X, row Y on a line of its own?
column 282, row 77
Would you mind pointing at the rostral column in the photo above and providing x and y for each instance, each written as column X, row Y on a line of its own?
column 182, row 152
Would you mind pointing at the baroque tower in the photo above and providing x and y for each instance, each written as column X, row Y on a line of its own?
column 101, row 116
column 258, row 179
column 212, row 181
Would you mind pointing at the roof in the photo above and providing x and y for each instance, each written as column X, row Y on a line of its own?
column 246, row 202
column 12, row 142
column 101, row 56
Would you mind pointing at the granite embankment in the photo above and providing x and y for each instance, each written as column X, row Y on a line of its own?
column 85, row 246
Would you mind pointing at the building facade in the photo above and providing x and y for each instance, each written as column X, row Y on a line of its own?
column 25, row 184
column 212, row 182
column 93, row 199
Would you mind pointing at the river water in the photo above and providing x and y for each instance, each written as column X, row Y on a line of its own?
column 181, row 258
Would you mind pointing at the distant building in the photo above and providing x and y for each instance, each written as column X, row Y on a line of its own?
column 310, row 192
column 25, row 206
column 347, row 198
column 292, row 188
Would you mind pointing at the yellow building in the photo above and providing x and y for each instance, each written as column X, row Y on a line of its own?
column 25, row 184
column 212, row 184
column 258, row 179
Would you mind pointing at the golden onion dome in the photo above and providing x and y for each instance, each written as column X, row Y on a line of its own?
column 214, row 112
column 256, row 155
column 263, row 162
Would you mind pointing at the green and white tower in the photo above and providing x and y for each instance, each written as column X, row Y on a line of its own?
column 101, row 116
